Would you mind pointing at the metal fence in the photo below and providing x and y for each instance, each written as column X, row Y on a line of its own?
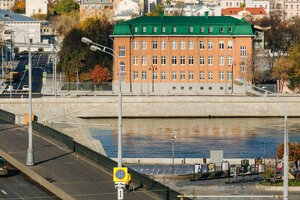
column 7, row 116
column 87, row 86
column 156, row 187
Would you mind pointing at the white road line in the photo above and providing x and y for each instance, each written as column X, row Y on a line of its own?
column 3, row 192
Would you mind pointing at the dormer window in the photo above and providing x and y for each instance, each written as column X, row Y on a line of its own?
column 135, row 29
column 221, row 29
column 154, row 29
column 174, row 29
column 191, row 29
column 210, row 29
column 202, row 29
column 163, row 29
column 144, row 29
column 230, row 29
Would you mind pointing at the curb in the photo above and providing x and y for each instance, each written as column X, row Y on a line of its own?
column 37, row 178
column 277, row 188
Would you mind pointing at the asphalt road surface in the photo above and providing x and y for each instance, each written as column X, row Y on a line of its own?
column 16, row 186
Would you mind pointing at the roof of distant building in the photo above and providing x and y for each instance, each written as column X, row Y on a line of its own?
column 7, row 16
column 220, row 25
column 235, row 11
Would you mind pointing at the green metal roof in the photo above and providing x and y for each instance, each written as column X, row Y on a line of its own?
column 200, row 25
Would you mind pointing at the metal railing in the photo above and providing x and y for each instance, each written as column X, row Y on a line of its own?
column 7, row 116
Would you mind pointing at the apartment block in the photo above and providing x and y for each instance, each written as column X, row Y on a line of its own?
column 96, row 8
column 7, row 4
column 182, row 55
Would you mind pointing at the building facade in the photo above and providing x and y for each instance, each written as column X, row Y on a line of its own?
column 182, row 55
column 36, row 7
column 7, row 4
column 96, row 8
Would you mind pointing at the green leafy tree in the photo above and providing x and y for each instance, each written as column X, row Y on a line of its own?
column 65, row 6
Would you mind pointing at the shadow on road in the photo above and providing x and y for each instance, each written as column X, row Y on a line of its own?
column 43, row 161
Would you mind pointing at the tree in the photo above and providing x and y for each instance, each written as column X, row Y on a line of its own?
column 158, row 10
column 65, row 6
column 64, row 23
column 19, row 7
column 39, row 16
column 294, row 151
column 100, row 74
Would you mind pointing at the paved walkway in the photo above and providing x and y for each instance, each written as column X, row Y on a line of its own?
column 77, row 177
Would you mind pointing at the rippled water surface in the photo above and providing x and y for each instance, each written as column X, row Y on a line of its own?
column 237, row 137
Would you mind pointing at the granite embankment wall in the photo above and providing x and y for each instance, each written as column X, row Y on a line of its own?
column 155, row 106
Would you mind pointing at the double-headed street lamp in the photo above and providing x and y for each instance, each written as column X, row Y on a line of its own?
column 98, row 47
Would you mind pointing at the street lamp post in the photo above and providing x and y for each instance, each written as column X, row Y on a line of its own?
column 98, row 47
column 173, row 153
column 152, row 68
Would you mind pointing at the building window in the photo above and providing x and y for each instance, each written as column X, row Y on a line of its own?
column 173, row 88
column 201, row 88
column 121, row 51
column 230, row 60
column 202, row 29
column 191, row 60
column 210, row 75
column 182, row 60
column 135, row 75
column 230, row 44
column 202, row 60
column 202, row 44
column 210, row 60
column 182, row 45
column 174, row 45
column 210, row 29
column 191, row 29
column 163, row 60
column 202, row 75
column 174, row 60
column 144, row 45
column 221, row 76
column 191, row 45
column 122, row 66
column 163, row 29
column 243, row 68
column 154, row 60
column 135, row 29
column 221, row 60
column 163, row 45
column 135, row 60
column 243, row 51
column 229, row 75
column 154, row 45
column 221, row 29
column 221, row 45
column 154, row 75
column 174, row 29
column 221, row 88
column 182, row 88
column 174, row 75
column 182, row 75
column 136, row 45
column 144, row 75
column 144, row 60
column 190, row 88
column 154, row 29
column 210, row 44
column 229, row 29
column 163, row 75
column 144, row 29
column 191, row 75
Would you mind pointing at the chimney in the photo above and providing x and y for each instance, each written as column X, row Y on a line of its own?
column 206, row 14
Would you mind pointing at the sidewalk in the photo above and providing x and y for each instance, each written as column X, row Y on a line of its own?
column 60, row 170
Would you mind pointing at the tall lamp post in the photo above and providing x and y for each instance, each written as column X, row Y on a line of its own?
column 98, row 47
column 173, row 153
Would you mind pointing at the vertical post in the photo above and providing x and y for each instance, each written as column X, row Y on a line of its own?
column 286, row 160
column 77, row 78
column 55, row 81
column 152, row 79
column 2, row 59
column 30, row 152
column 173, row 153
column 10, row 84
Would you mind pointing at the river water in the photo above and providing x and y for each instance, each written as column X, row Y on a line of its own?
column 195, row 137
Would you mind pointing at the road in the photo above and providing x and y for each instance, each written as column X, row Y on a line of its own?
column 17, row 186
column 38, row 66
column 80, row 178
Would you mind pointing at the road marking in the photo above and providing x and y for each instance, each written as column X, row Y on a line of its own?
column 3, row 192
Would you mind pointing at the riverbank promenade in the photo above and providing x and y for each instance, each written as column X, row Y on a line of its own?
column 61, row 171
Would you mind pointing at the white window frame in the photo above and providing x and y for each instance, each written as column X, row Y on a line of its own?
column 243, row 51
column 154, row 60
column 163, row 60
column 229, row 75
column 191, row 60
column 122, row 52
column 135, row 60
column 210, row 45
column 122, row 66
column 230, row 45
column 230, row 60
column 202, row 75
column 221, row 45
column 163, row 45
column 182, row 60
column 182, row 44
column 210, row 75
column 144, row 75
column 174, row 75
column 135, row 45
column 174, row 44
column 154, row 45
column 182, row 75
column 144, row 60
column 135, row 75
column 174, row 60
column 191, row 45
column 163, row 75
column 202, row 44
column 191, row 75
column 202, row 60
column 221, row 60
column 221, row 76
column 210, row 60
column 144, row 45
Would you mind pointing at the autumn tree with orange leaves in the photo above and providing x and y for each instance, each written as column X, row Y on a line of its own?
column 19, row 7
column 294, row 151
column 100, row 74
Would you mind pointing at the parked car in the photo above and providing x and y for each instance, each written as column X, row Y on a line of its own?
column 3, row 167
column 25, row 88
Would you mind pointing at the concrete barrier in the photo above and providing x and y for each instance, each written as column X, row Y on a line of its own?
column 37, row 178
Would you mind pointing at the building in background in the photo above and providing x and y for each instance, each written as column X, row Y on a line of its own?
column 7, row 4
column 182, row 55
column 126, row 9
column 247, row 13
column 96, row 8
column 36, row 7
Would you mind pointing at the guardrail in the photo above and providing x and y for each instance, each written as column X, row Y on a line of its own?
column 7, row 116
column 154, row 186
